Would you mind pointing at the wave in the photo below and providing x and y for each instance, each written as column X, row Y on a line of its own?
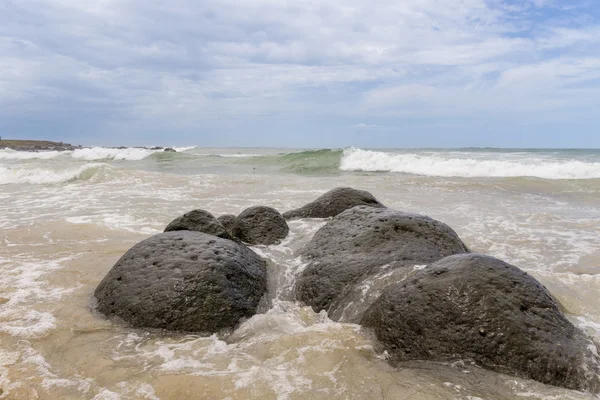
column 304, row 162
column 104, row 153
column 183, row 149
column 89, row 154
column 448, row 166
column 9, row 154
column 47, row 176
column 239, row 155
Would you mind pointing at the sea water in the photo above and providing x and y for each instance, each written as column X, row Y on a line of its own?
column 67, row 217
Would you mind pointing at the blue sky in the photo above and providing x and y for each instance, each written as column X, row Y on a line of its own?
column 387, row 73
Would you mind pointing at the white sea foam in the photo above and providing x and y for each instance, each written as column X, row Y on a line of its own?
column 91, row 154
column 41, row 176
column 103, row 153
column 462, row 166
column 183, row 149
column 106, row 394
column 8, row 154
column 32, row 325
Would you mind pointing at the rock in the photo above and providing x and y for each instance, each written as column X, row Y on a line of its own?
column 260, row 225
column 476, row 307
column 228, row 221
column 354, row 256
column 184, row 281
column 334, row 202
column 170, row 150
column 199, row 221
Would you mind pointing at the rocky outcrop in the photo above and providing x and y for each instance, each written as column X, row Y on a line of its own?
column 228, row 222
column 354, row 256
column 333, row 203
column 479, row 308
column 260, row 225
column 184, row 281
column 198, row 221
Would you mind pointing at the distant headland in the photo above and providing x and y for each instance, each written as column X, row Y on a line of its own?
column 35, row 145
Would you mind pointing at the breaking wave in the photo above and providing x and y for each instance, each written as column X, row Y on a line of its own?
column 8, row 154
column 455, row 165
column 88, row 154
column 47, row 176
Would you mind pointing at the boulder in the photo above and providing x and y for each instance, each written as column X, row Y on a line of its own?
column 169, row 150
column 198, row 221
column 184, row 281
column 334, row 202
column 476, row 307
column 362, row 250
column 260, row 225
column 228, row 221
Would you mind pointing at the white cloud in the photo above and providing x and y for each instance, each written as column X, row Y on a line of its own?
column 365, row 126
column 185, row 60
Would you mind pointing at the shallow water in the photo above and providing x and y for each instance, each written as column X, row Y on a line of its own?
column 67, row 218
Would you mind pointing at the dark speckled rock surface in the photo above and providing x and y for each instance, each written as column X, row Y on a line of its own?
column 184, row 281
column 198, row 221
column 333, row 203
column 260, row 225
column 479, row 308
column 361, row 243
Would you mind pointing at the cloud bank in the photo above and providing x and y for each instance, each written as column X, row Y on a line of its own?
column 143, row 70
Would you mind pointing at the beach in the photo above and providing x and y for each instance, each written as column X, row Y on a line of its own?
column 69, row 215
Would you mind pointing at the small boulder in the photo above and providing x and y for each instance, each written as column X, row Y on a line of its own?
column 362, row 250
column 260, row 225
column 334, row 202
column 184, row 281
column 198, row 221
column 476, row 307
column 170, row 150
column 228, row 222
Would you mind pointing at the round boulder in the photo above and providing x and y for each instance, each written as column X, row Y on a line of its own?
column 362, row 250
column 228, row 222
column 260, row 225
column 334, row 202
column 184, row 281
column 198, row 221
column 476, row 307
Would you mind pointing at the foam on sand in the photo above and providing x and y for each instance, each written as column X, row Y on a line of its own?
column 462, row 166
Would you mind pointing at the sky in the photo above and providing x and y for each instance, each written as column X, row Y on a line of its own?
column 283, row 73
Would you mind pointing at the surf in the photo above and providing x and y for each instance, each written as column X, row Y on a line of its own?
column 467, row 165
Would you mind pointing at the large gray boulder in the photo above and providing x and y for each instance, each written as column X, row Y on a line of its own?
column 478, row 308
column 260, row 225
column 359, row 252
column 198, row 221
column 334, row 202
column 184, row 281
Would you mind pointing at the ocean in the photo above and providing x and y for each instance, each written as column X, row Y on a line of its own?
column 67, row 217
